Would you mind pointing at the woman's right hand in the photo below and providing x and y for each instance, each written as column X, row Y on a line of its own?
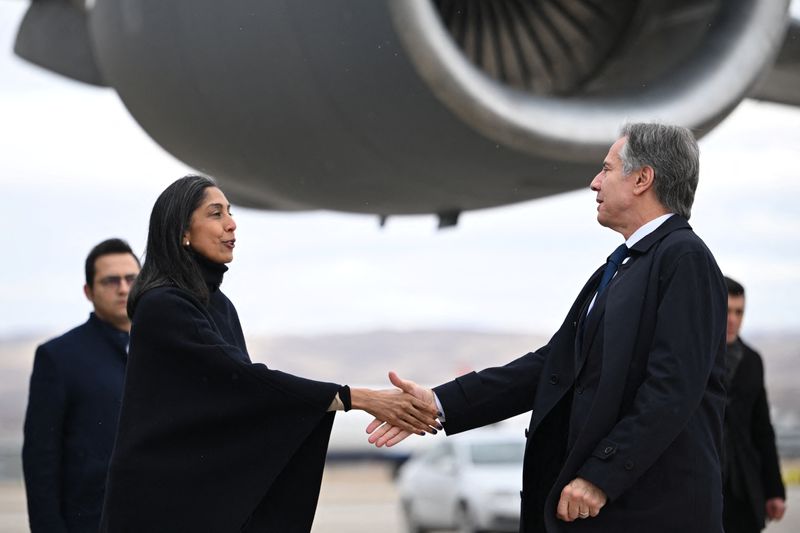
column 384, row 433
column 398, row 408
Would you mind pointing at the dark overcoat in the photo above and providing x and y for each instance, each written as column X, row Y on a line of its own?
column 651, row 436
column 750, row 440
column 71, row 420
column 208, row 441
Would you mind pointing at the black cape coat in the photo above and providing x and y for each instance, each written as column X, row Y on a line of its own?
column 207, row 440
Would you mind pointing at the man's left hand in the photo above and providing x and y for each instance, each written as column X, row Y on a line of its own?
column 580, row 499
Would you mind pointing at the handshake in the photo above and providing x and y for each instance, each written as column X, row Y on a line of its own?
column 398, row 412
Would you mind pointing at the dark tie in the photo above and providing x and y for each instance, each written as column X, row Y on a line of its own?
column 614, row 261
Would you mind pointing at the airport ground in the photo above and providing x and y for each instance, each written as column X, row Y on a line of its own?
column 356, row 498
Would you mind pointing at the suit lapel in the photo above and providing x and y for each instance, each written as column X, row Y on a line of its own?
column 580, row 332
column 590, row 329
column 595, row 318
column 740, row 377
column 590, row 323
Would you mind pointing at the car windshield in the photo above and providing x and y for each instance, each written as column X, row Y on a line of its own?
column 494, row 453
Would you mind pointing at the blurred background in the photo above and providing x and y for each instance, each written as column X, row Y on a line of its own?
column 337, row 297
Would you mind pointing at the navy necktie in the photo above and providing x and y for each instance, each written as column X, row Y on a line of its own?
column 614, row 261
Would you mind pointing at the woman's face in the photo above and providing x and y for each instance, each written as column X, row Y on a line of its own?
column 211, row 228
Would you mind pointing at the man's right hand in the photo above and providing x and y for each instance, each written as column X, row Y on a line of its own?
column 385, row 434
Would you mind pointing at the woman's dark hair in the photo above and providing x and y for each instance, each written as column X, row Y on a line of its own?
column 166, row 260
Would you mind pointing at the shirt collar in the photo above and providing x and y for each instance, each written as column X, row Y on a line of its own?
column 646, row 230
column 119, row 337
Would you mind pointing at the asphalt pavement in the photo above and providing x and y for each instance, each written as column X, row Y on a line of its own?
column 354, row 498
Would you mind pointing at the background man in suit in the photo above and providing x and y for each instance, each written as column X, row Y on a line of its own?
column 626, row 399
column 753, row 487
column 74, row 401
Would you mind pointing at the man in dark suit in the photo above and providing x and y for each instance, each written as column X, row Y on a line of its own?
column 626, row 399
column 74, row 401
column 753, row 488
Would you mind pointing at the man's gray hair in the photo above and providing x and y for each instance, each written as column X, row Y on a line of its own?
column 672, row 153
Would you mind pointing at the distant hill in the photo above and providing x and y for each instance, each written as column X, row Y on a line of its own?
column 424, row 356
column 428, row 357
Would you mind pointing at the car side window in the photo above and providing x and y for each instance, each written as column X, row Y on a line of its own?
column 442, row 458
column 435, row 453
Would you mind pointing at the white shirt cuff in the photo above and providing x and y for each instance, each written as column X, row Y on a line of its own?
column 439, row 407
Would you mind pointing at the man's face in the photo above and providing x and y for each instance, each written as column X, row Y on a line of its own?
column 614, row 191
column 735, row 316
column 113, row 277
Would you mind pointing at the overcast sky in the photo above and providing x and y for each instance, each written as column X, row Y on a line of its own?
column 77, row 169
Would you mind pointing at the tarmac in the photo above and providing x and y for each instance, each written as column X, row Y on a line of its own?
column 358, row 498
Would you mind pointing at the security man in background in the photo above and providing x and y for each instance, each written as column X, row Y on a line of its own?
column 753, row 489
column 74, row 401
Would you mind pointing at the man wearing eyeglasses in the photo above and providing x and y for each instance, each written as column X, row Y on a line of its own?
column 74, row 401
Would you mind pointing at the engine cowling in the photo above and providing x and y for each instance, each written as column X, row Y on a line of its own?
column 557, row 76
column 421, row 106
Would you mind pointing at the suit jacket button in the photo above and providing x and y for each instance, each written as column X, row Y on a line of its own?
column 554, row 379
column 629, row 465
column 608, row 450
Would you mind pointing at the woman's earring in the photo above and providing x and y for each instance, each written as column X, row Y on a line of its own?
column 186, row 244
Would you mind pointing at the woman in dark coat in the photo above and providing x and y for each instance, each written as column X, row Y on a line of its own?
column 207, row 440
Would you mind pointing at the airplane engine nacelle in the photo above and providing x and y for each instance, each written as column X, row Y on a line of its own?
column 422, row 106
